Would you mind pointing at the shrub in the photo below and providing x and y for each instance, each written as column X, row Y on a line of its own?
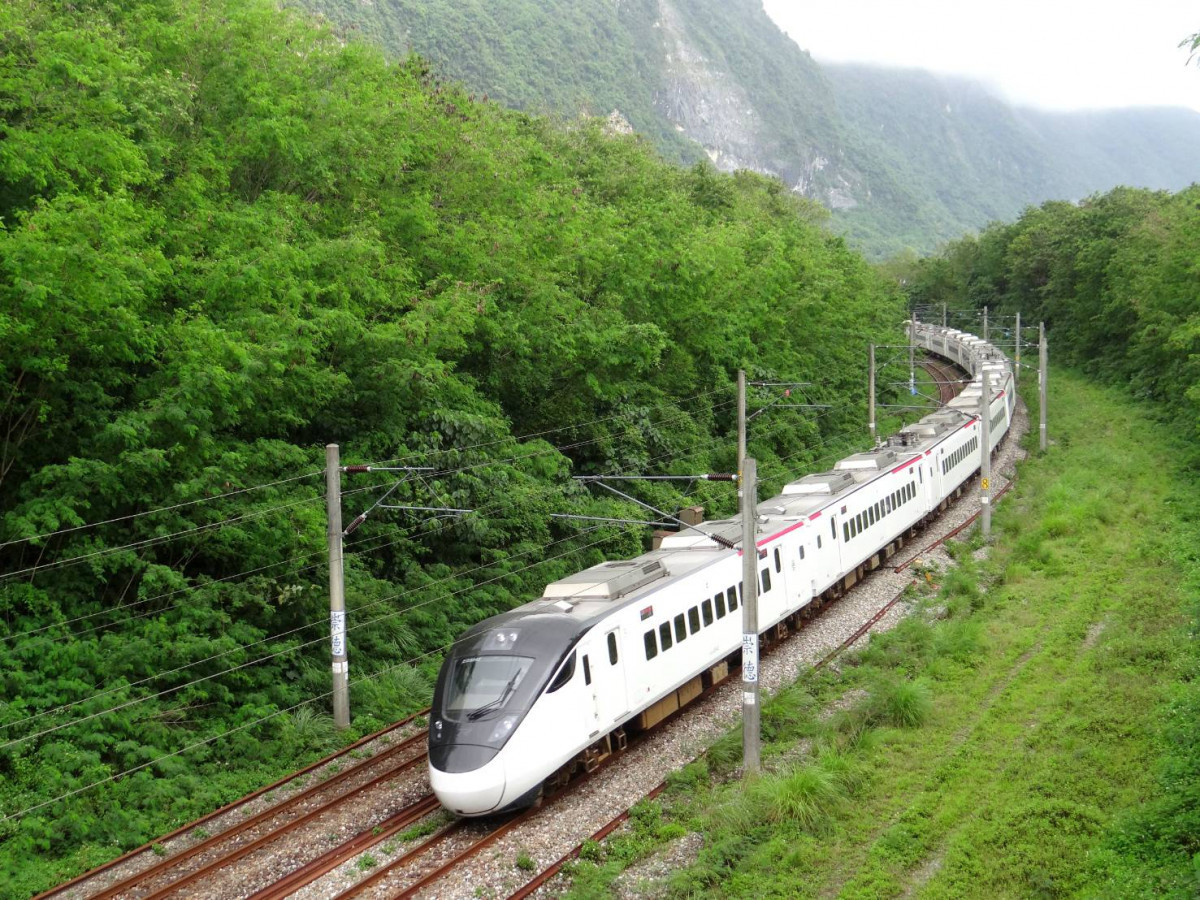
column 903, row 704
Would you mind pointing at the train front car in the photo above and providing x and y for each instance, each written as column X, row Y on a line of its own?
column 488, row 745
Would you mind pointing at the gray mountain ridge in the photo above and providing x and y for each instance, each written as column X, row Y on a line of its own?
column 904, row 159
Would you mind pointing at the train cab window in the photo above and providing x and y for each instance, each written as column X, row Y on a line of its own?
column 694, row 619
column 732, row 596
column 778, row 561
column 706, row 608
column 565, row 674
column 766, row 580
column 680, row 628
column 719, row 603
column 612, row 648
column 651, row 644
column 587, row 671
column 664, row 635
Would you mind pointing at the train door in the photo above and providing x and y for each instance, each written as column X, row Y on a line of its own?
column 604, row 682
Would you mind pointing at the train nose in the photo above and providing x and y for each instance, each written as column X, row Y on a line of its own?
column 473, row 792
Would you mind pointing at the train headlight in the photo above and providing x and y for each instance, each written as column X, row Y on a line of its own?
column 504, row 727
column 437, row 730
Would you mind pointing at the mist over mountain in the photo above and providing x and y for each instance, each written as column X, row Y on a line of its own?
column 904, row 159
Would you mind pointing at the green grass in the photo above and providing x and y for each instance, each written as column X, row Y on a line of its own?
column 1007, row 750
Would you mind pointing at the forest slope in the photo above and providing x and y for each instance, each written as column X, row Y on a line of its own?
column 227, row 238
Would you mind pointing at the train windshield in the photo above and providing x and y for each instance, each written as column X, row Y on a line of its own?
column 483, row 684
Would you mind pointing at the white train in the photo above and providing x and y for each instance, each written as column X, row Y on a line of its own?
column 527, row 696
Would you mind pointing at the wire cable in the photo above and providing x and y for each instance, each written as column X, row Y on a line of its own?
column 161, row 509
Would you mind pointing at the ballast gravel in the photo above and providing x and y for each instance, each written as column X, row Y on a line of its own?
column 573, row 818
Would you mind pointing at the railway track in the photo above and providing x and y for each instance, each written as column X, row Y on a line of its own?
column 175, row 871
column 423, row 866
column 948, row 379
column 547, row 873
column 210, row 867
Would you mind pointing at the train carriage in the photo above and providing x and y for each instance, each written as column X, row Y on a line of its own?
column 525, row 696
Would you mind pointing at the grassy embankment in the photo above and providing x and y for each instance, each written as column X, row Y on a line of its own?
column 1011, row 740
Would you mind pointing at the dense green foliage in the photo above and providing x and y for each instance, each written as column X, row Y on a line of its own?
column 905, row 158
column 1115, row 278
column 1008, row 738
column 227, row 238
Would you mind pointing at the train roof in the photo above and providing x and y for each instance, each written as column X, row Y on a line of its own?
column 571, row 605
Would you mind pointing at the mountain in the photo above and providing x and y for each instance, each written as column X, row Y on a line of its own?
column 902, row 158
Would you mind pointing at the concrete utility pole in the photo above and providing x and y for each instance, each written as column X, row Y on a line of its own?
column 912, row 351
column 871, row 393
column 337, row 588
column 943, row 315
column 985, row 328
column 1043, row 373
column 1017, row 353
column 748, row 492
column 741, row 414
column 985, row 459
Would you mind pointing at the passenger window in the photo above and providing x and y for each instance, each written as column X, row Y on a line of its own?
column 680, row 628
column 819, row 541
column 766, row 580
column 778, row 561
column 694, row 619
column 651, row 644
column 587, row 671
column 612, row 648
column 664, row 635
column 731, row 596
column 802, row 551
column 719, row 602
column 565, row 673
column 706, row 607
column 845, row 532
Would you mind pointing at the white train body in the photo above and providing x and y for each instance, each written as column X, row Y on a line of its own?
column 524, row 693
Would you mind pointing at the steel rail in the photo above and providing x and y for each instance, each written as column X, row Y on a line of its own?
column 364, row 840
column 954, row 532
column 604, row 831
column 166, row 864
column 227, row 808
column 275, row 834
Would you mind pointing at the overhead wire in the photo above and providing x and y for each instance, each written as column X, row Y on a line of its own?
column 265, row 640
column 240, row 648
column 204, row 742
column 321, row 639
column 161, row 509
column 235, row 730
column 213, row 526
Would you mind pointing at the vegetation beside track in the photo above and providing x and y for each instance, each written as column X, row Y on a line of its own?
column 1030, row 733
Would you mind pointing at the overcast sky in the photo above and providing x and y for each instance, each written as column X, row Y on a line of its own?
column 1054, row 54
